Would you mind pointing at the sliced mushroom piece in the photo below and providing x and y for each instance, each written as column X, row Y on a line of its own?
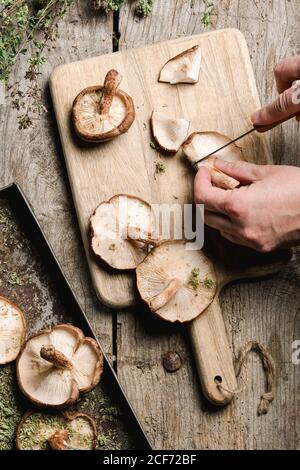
column 122, row 230
column 103, row 112
column 200, row 144
column 169, row 133
column 183, row 68
column 63, row 431
column 177, row 284
column 12, row 330
column 58, row 364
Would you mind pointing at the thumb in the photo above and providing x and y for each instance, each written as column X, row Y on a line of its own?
column 244, row 172
column 286, row 105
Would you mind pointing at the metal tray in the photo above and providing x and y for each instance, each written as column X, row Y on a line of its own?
column 31, row 276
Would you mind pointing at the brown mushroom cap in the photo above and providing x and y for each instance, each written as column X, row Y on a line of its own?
column 166, row 283
column 201, row 144
column 169, row 133
column 64, row 431
column 12, row 330
column 55, row 365
column 183, row 68
column 122, row 229
column 102, row 112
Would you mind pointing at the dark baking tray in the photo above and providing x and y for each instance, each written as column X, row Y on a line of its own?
column 30, row 276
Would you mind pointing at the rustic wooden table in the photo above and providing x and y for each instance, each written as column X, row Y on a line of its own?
column 171, row 406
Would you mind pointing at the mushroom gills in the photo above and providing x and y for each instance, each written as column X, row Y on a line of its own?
column 12, row 330
column 100, row 113
column 65, row 431
column 183, row 68
column 201, row 144
column 56, row 365
column 163, row 281
column 168, row 132
column 122, row 230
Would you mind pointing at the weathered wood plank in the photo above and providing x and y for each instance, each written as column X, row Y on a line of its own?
column 171, row 406
column 34, row 159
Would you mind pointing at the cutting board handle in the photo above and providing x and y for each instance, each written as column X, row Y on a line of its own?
column 212, row 354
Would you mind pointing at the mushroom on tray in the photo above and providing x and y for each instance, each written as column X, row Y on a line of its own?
column 201, row 144
column 12, row 330
column 177, row 284
column 64, row 431
column 183, row 68
column 56, row 365
column 103, row 112
column 122, row 230
column 169, row 133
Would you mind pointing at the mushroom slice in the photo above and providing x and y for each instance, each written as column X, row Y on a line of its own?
column 63, row 431
column 183, row 68
column 177, row 284
column 200, row 144
column 122, row 229
column 56, row 365
column 168, row 132
column 103, row 112
column 12, row 330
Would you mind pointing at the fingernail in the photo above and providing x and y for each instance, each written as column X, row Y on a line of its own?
column 255, row 117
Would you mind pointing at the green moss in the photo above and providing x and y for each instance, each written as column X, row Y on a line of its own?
column 194, row 279
column 10, row 409
column 160, row 167
column 209, row 283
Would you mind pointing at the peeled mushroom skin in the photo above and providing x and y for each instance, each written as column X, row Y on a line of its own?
column 64, row 431
column 12, row 330
column 183, row 68
column 122, row 229
column 93, row 122
column 199, row 145
column 56, row 365
column 164, row 282
column 169, row 132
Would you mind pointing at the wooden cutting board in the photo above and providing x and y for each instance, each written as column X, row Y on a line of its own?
column 222, row 100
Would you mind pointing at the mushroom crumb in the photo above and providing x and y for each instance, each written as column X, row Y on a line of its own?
column 160, row 168
column 194, row 279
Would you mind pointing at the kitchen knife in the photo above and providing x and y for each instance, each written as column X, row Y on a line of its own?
column 259, row 129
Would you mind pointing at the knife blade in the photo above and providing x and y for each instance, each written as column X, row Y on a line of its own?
column 226, row 145
column 260, row 129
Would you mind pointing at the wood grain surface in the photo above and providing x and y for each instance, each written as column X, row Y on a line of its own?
column 171, row 406
column 222, row 101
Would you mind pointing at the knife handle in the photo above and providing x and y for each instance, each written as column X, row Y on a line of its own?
column 266, row 128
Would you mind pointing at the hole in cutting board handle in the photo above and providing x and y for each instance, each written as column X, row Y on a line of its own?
column 218, row 379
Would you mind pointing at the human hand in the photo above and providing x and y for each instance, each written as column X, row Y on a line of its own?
column 287, row 72
column 264, row 214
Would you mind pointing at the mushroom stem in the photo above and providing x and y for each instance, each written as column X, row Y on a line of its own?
column 111, row 84
column 163, row 298
column 58, row 441
column 222, row 180
column 57, row 358
column 150, row 237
